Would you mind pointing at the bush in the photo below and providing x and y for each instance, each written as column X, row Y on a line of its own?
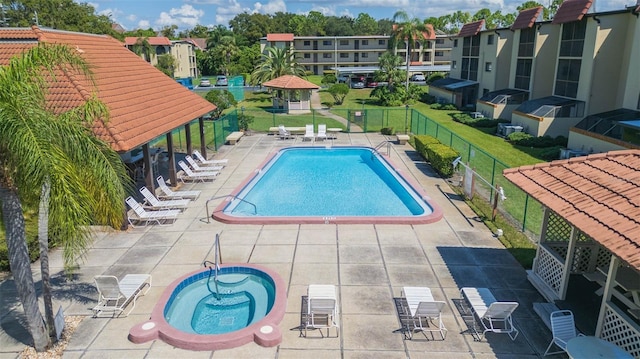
column 441, row 158
column 329, row 79
column 444, row 106
column 387, row 131
column 434, row 77
column 526, row 140
column 475, row 122
column 428, row 99
column 436, row 106
column 421, row 143
column 339, row 92
column 244, row 121
column 550, row 154
column 517, row 137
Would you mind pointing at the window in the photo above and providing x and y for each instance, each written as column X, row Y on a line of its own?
column 527, row 39
column 523, row 74
column 326, row 42
column 488, row 66
column 365, row 42
column 307, row 43
column 344, row 55
column 454, row 64
column 429, row 45
column 382, row 42
column 426, row 56
column 572, row 39
column 344, row 42
column 475, row 45
column 455, row 42
column 439, row 41
column 326, row 56
column 307, row 56
column 364, row 55
column 567, row 77
column 490, row 39
column 439, row 53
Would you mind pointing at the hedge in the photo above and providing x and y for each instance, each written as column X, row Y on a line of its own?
column 440, row 156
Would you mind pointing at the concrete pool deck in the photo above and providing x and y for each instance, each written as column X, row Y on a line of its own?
column 368, row 263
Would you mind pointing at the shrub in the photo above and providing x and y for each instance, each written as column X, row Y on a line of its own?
column 387, row 131
column 550, row 154
column 475, row 122
column 421, row 143
column 428, row 99
column 436, row 106
column 517, row 137
column 441, row 158
column 223, row 99
column 434, row 77
column 339, row 92
column 329, row 79
column 449, row 107
column 244, row 121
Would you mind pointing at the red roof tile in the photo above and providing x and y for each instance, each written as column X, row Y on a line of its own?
column 290, row 82
column 471, row 29
column 153, row 41
column 200, row 42
column 598, row 194
column 526, row 18
column 571, row 10
column 143, row 102
column 279, row 37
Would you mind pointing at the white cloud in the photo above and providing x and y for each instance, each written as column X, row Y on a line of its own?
column 144, row 24
column 270, row 7
column 131, row 18
column 185, row 16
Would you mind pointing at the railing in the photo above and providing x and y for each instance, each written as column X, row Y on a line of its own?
column 382, row 144
column 216, row 267
column 620, row 330
column 548, row 267
column 255, row 209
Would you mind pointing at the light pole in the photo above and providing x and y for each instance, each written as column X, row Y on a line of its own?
column 406, row 118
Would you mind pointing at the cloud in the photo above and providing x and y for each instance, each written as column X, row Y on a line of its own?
column 270, row 7
column 185, row 16
column 144, row 24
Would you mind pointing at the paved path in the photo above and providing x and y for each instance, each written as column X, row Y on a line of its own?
column 316, row 104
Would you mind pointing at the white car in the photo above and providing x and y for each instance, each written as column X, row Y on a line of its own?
column 418, row 78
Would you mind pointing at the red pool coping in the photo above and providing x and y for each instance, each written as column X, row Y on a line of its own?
column 265, row 332
column 435, row 215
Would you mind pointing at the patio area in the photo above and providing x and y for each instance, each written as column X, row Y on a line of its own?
column 369, row 264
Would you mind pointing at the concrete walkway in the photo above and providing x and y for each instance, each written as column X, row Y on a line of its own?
column 316, row 104
column 369, row 264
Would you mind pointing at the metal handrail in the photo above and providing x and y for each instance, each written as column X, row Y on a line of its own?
column 381, row 144
column 216, row 267
column 255, row 209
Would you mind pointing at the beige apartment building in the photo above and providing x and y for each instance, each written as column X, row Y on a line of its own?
column 360, row 54
column 575, row 76
column 183, row 51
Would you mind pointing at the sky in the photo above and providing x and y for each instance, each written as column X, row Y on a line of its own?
column 156, row 14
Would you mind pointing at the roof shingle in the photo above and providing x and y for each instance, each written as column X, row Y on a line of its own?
column 279, row 37
column 598, row 194
column 471, row 29
column 526, row 18
column 571, row 10
column 290, row 82
column 143, row 102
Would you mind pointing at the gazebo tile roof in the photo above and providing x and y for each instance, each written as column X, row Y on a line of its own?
column 290, row 82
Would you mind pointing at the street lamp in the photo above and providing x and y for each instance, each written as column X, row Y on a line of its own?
column 406, row 118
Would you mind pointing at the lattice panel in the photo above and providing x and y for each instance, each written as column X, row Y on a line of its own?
column 561, row 249
column 604, row 258
column 617, row 331
column 558, row 230
column 581, row 258
column 549, row 269
column 583, row 237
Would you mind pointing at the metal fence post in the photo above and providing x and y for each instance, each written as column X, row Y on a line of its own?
column 524, row 217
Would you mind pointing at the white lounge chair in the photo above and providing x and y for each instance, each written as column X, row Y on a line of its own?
column 322, row 308
column 152, row 202
column 114, row 295
column 139, row 215
column 190, row 175
column 309, row 134
column 563, row 329
column 322, row 132
column 167, row 193
column 196, row 167
column 495, row 316
column 204, row 161
column 284, row 133
column 423, row 308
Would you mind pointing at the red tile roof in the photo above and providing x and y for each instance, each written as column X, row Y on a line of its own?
column 279, row 37
column 527, row 18
column 143, row 102
column 153, row 41
column 290, row 82
column 471, row 29
column 599, row 194
column 571, row 10
column 200, row 42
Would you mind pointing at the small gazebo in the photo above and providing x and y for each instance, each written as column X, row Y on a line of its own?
column 292, row 93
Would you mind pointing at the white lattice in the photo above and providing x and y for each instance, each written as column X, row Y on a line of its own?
column 558, row 230
column 549, row 268
column 619, row 331
column 582, row 258
column 604, row 258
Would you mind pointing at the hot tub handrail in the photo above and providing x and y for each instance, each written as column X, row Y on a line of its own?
column 216, row 266
column 255, row 209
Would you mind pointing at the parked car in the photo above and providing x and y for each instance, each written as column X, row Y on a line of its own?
column 221, row 81
column 418, row 78
column 356, row 83
column 372, row 83
column 343, row 79
column 205, row 82
column 476, row 115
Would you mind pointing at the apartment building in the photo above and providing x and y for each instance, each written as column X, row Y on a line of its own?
column 569, row 76
column 360, row 54
column 183, row 51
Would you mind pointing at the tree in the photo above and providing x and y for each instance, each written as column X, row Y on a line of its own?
column 276, row 62
column 339, row 26
column 339, row 92
column 169, row 31
column 531, row 4
column 223, row 99
column 226, row 49
column 407, row 31
column 40, row 148
column 167, row 64
column 389, row 65
column 365, row 25
column 143, row 48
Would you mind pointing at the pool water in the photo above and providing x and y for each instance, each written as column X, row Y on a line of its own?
column 337, row 181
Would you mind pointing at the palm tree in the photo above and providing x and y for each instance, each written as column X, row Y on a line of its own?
column 40, row 149
column 407, row 31
column 389, row 64
column 226, row 48
column 276, row 62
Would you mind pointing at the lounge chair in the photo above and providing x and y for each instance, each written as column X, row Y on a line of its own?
column 322, row 132
column 423, row 308
column 322, row 308
column 139, row 215
column 204, row 161
column 563, row 329
column 493, row 315
column 167, row 193
column 284, row 133
column 152, row 202
column 189, row 175
column 309, row 134
column 196, row 167
column 114, row 295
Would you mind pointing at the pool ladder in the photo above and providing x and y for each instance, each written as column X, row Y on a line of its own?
column 382, row 144
column 255, row 209
column 216, row 267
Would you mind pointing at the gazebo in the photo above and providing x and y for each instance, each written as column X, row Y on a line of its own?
column 591, row 227
column 292, row 93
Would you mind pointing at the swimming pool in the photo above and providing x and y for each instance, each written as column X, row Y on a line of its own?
column 327, row 185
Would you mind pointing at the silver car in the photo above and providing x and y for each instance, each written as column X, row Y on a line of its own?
column 221, row 81
column 356, row 83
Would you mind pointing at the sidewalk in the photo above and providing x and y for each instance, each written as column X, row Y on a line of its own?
column 317, row 105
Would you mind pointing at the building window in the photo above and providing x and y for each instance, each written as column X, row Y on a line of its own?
column 523, row 74
column 439, row 53
column 326, row 42
column 307, row 43
column 567, row 77
column 439, row 41
column 326, row 56
column 429, row 45
column 527, row 39
column 455, row 42
column 427, row 56
column 364, row 55
column 365, row 42
column 344, row 55
column 382, row 42
column 490, row 39
column 572, row 39
column 488, row 66
column 307, row 56
column 344, row 42
column 454, row 64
